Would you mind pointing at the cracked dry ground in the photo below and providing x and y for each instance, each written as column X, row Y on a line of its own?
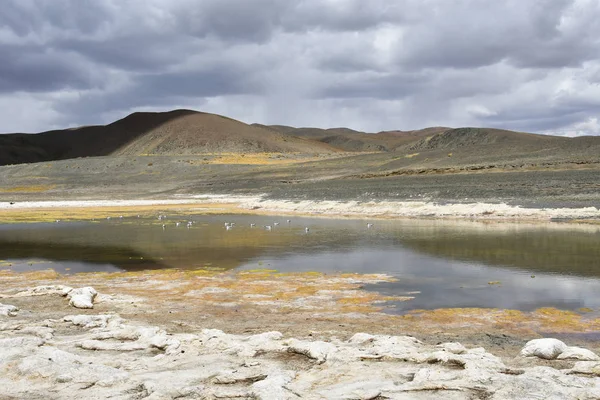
column 160, row 334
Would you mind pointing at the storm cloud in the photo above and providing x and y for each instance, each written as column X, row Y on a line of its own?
column 368, row 65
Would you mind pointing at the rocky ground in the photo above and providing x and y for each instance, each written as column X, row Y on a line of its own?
column 259, row 334
column 343, row 179
column 215, row 335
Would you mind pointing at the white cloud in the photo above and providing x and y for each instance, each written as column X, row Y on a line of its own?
column 591, row 126
column 479, row 111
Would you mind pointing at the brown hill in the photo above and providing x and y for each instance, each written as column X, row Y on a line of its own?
column 164, row 133
column 357, row 141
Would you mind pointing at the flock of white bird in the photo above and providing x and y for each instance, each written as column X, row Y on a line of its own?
column 228, row 225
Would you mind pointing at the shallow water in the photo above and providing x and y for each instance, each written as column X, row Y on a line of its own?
column 440, row 263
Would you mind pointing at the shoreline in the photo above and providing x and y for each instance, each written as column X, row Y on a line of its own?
column 418, row 209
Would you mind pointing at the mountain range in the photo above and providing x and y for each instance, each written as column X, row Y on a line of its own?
column 187, row 132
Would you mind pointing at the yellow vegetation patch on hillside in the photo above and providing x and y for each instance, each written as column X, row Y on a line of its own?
column 256, row 158
column 28, row 189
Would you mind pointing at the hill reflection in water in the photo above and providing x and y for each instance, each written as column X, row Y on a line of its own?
column 449, row 263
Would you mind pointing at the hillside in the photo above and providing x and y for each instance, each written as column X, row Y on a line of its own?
column 356, row 141
column 168, row 133
column 342, row 138
column 191, row 133
column 466, row 137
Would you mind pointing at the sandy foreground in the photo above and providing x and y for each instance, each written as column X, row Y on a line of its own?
column 266, row 335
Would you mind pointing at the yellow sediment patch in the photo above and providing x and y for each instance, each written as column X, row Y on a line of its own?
column 254, row 158
column 295, row 297
column 51, row 214
column 411, row 155
column 270, row 289
column 28, row 189
column 540, row 320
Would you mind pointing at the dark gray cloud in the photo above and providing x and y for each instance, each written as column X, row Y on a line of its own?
column 369, row 65
column 38, row 69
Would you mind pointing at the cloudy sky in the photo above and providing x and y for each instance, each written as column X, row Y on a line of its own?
column 530, row 65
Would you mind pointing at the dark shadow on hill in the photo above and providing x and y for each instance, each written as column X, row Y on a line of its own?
column 87, row 141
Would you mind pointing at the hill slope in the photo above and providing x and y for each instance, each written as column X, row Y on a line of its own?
column 166, row 133
column 356, row 141
column 466, row 137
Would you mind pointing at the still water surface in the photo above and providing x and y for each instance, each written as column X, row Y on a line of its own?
column 449, row 263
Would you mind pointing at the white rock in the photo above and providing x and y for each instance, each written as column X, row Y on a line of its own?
column 214, row 364
column 20, row 342
column 455, row 348
column 82, row 297
column 91, row 321
column 360, row 338
column 547, row 383
column 546, row 348
column 316, row 350
column 272, row 388
column 59, row 365
column 246, row 375
column 17, row 347
column 578, row 353
column 8, row 311
column 43, row 332
column 586, row 368
column 44, row 290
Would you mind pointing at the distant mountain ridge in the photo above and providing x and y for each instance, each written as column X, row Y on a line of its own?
column 351, row 140
column 187, row 132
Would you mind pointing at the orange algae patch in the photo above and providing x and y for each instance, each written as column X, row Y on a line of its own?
column 554, row 320
column 540, row 320
column 275, row 291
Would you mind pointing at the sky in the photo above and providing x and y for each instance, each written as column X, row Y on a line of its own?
column 371, row 65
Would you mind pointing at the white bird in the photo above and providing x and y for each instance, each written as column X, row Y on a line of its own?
column 252, row 225
column 164, row 226
column 369, row 226
column 229, row 227
column 226, row 224
column 268, row 227
column 58, row 220
column 288, row 221
column 138, row 215
column 306, row 230
column 275, row 223
column 107, row 217
column 177, row 223
column 120, row 216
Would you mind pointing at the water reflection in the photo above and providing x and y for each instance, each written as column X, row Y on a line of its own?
column 449, row 263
